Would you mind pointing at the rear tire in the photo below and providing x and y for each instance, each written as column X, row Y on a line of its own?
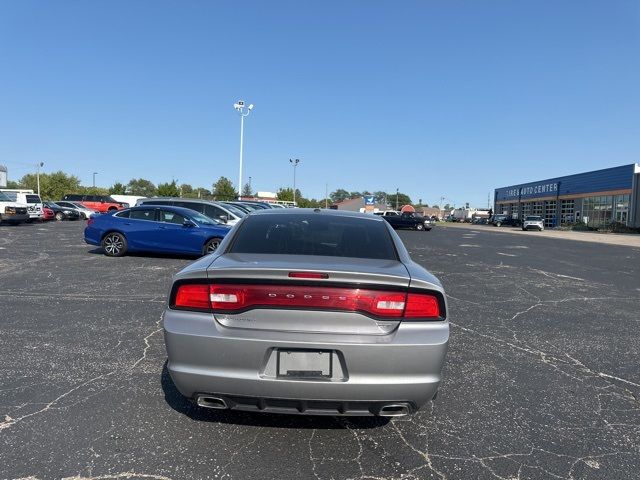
column 59, row 216
column 114, row 244
column 498, row 224
column 419, row 227
column 211, row 246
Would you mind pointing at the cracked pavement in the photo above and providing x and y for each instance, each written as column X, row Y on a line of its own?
column 541, row 381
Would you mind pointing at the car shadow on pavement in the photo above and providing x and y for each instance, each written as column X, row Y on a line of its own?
column 98, row 251
column 186, row 407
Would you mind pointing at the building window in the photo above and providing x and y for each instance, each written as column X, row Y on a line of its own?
column 567, row 211
column 622, row 208
column 538, row 209
column 597, row 212
column 550, row 214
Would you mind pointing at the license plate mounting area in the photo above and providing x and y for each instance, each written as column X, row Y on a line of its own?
column 305, row 364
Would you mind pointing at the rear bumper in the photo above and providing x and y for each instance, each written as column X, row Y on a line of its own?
column 208, row 358
column 14, row 217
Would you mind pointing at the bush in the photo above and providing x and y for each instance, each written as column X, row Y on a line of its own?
column 618, row 227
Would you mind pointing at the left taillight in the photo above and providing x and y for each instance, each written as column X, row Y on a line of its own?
column 192, row 296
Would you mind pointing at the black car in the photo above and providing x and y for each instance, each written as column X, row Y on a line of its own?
column 504, row 220
column 62, row 213
column 409, row 220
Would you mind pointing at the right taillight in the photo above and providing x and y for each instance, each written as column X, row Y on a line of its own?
column 421, row 305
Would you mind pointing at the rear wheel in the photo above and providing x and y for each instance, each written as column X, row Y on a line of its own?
column 498, row 224
column 211, row 246
column 420, row 226
column 59, row 216
column 114, row 244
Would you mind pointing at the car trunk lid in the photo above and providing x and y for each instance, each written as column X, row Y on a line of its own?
column 308, row 292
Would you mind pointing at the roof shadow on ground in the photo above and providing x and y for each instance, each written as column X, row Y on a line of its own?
column 186, row 407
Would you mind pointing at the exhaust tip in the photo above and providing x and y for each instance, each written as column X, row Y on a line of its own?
column 211, row 402
column 394, row 410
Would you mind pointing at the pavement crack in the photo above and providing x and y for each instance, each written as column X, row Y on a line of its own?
column 9, row 421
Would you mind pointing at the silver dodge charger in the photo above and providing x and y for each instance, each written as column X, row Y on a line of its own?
column 316, row 312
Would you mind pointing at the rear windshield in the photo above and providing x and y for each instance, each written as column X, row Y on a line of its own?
column 33, row 199
column 4, row 197
column 314, row 234
column 533, row 219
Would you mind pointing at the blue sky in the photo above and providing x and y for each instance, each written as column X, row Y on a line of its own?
column 437, row 98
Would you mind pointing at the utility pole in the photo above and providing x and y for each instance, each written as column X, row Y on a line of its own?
column 397, row 191
column 326, row 195
column 38, row 166
column 243, row 111
column 94, row 179
column 295, row 164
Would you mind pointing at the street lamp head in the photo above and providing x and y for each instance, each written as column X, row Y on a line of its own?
column 42, row 164
column 250, row 107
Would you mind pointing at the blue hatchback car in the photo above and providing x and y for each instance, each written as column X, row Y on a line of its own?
column 160, row 229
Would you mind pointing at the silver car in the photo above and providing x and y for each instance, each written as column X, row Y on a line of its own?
column 302, row 311
column 533, row 222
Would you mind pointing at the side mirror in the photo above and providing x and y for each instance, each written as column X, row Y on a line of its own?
column 188, row 223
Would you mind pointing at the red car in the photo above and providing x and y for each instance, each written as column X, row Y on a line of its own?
column 47, row 214
column 99, row 203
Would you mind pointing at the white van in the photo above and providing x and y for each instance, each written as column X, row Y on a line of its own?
column 32, row 200
column 130, row 200
column 12, row 212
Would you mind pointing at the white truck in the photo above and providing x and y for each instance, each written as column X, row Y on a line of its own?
column 12, row 212
column 32, row 201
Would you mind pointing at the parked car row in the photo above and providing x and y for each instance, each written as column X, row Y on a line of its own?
column 18, row 206
column 167, row 225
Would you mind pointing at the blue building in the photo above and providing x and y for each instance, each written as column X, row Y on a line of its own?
column 596, row 198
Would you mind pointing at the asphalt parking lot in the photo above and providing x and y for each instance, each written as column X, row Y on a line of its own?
column 542, row 377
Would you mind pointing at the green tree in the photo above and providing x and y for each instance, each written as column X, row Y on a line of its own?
column 402, row 199
column 309, row 203
column 380, row 196
column 93, row 191
column 223, row 189
column 339, row 195
column 12, row 184
column 53, row 186
column 118, row 189
column 246, row 190
column 142, row 187
column 285, row 194
column 168, row 189
column 186, row 190
column 202, row 193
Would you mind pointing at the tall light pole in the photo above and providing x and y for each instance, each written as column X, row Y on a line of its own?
column 38, row 166
column 397, row 191
column 295, row 164
column 94, row 179
column 326, row 195
column 243, row 111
